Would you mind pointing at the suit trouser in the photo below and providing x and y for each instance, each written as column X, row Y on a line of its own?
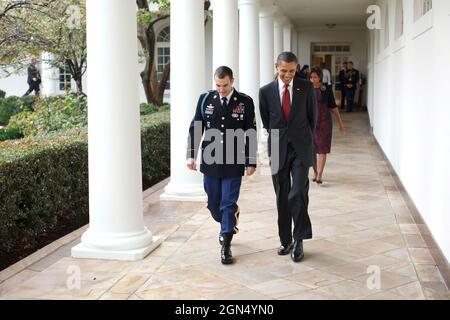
column 223, row 194
column 292, row 199
column 33, row 86
column 350, row 96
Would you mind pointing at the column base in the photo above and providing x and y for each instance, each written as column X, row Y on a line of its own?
column 81, row 251
column 189, row 193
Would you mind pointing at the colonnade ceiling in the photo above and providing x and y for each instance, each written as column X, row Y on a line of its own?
column 319, row 13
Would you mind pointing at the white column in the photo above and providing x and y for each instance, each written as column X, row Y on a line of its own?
column 266, row 37
column 187, row 80
column 287, row 34
column 49, row 75
column 278, row 35
column 249, row 53
column 226, row 35
column 294, row 41
column 116, row 228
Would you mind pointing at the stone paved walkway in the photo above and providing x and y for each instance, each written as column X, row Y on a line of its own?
column 360, row 223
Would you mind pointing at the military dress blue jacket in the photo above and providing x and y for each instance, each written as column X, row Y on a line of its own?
column 230, row 140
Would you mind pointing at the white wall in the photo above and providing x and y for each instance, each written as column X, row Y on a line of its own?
column 410, row 114
column 15, row 85
column 356, row 37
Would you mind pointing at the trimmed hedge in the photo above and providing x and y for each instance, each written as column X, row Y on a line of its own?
column 44, row 179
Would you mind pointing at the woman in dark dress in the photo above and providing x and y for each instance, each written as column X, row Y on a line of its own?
column 324, row 129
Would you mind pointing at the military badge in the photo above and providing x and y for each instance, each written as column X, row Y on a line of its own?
column 209, row 109
column 239, row 109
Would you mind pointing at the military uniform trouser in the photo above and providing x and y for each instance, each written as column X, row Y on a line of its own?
column 223, row 194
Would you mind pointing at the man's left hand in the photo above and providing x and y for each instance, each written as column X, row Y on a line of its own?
column 250, row 171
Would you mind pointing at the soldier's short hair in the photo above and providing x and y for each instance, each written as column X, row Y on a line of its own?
column 287, row 57
column 223, row 72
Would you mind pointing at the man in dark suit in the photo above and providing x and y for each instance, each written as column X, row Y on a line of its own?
column 34, row 78
column 289, row 113
column 227, row 117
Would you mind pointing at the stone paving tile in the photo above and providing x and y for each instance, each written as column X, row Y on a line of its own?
column 315, row 279
column 278, row 288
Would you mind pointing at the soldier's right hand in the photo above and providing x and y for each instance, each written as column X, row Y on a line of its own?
column 191, row 164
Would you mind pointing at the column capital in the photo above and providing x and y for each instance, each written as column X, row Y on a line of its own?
column 267, row 10
column 249, row 2
column 281, row 20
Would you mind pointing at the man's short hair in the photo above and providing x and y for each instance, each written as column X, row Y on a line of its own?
column 223, row 72
column 350, row 62
column 287, row 57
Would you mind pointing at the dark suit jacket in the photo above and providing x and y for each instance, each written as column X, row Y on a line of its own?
column 351, row 77
column 302, row 121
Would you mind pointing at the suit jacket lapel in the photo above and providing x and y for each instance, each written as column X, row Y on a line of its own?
column 295, row 104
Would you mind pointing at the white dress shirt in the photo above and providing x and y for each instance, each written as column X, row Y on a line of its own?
column 228, row 97
column 326, row 76
column 281, row 89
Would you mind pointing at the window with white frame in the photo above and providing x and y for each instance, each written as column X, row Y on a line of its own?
column 65, row 79
column 421, row 7
column 399, row 19
column 163, row 52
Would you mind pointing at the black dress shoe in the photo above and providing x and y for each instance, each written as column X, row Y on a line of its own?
column 225, row 253
column 285, row 249
column 297, row 253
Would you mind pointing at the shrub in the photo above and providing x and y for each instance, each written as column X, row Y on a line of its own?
column 9, row 107
column 147, row 108
column 51, row 114
column 44, row 179
column 10, row 134
column 2, row 94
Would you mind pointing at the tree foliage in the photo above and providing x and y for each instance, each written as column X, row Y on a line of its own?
column 28, row 28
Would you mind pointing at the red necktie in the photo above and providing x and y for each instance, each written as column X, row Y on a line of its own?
column 286, row 103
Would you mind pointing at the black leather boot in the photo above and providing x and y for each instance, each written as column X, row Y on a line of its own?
column 226, row 256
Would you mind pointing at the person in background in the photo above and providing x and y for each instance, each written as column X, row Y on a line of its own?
column 326, row 75
column 326, row 105
column 34, row 79
column 304, row 72
column 351, row 80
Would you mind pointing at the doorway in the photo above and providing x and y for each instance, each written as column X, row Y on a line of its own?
column 333, row 55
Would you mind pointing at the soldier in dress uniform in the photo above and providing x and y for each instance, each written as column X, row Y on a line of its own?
column 227, row 118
